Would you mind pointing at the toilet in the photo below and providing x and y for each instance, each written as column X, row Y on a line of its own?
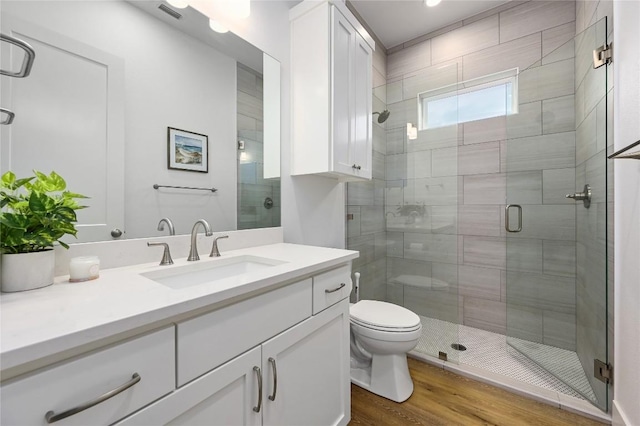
column 381, row 335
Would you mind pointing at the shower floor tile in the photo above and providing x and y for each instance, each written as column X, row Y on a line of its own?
column 490, row 351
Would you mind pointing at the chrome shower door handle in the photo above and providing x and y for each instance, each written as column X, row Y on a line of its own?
column 506, row 218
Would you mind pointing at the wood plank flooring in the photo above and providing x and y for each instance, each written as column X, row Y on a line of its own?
column 444, row 398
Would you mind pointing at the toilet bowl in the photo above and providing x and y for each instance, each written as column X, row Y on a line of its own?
column 381, row 335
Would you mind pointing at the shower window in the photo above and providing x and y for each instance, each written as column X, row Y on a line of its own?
column 485, row 97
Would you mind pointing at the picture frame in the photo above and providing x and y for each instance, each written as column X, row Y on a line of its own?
column 188, row 151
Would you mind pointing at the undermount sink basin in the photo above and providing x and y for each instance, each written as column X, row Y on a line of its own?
column 203, row 272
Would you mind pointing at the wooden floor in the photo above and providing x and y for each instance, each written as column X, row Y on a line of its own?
column 444, row 398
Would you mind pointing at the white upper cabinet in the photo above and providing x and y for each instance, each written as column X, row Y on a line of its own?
column 331, row 92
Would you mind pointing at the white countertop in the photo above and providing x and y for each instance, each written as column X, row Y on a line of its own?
column 41, row 323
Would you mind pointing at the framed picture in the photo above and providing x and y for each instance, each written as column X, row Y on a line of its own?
column 187, row 150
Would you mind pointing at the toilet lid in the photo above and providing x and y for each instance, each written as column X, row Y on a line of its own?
column 383, row 315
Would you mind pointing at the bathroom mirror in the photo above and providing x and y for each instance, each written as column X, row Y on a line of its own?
column 110, row 78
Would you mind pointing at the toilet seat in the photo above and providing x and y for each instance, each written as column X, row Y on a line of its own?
column 386, row 329
column 383, row 316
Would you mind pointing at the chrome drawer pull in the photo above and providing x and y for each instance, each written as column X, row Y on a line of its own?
column 272, row 397
column 52, row 417
column 340, row 287
column 259, row 374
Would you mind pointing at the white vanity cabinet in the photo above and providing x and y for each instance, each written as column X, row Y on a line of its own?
column 331, row 58
column 270, row 352
column 303, row 374
column 283, row 369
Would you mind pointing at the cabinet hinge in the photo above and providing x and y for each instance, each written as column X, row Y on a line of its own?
column 602, row 55
column 602, row 371
column 442, row 355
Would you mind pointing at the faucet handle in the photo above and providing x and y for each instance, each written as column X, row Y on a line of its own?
column 166, row 256
column 214, row 249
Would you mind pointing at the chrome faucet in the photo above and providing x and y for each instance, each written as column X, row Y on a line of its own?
column 172, row 230
column 166, row 256
column 193, row 252
column 214, row 249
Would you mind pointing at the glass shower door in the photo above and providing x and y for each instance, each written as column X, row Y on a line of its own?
column 556, row 278
column 404, row 221
column 421, row 204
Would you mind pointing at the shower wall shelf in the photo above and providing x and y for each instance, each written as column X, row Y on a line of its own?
column 25, row 69
column 156, row 186
column 620, row 154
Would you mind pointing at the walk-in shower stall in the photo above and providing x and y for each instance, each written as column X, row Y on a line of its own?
column 487, row 212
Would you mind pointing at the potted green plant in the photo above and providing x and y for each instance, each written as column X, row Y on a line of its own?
column 36, row 212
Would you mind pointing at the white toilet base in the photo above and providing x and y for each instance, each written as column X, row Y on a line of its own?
column 388, row 376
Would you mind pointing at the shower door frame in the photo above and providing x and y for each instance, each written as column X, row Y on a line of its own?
column 590, row 237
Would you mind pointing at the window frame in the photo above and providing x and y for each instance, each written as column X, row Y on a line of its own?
column 468, row 86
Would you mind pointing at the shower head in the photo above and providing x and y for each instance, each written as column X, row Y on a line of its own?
column 382, row 117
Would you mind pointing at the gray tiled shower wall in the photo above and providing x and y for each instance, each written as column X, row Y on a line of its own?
column 252, row 187
column 430, row 224
column 539, row 144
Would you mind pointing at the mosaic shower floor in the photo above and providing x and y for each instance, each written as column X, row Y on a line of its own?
column 491, row 352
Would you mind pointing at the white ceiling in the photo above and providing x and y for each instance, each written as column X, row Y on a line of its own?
column 397, row 21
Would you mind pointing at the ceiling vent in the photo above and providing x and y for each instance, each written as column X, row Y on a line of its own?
column 170, row 11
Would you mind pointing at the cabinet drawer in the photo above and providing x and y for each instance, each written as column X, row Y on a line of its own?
column 26, row 401
column 331, row 287
column 210, row 340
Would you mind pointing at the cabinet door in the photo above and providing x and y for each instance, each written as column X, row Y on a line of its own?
column 225, row 396
column 363, row 120
column 342, row 51
column 312, row 365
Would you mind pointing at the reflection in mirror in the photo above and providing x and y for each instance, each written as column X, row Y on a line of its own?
column 256, row 191
column 109, row 79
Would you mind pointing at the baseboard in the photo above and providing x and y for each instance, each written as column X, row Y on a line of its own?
column 618, row 417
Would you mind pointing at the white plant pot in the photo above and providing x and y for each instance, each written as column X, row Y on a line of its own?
column 27, row 271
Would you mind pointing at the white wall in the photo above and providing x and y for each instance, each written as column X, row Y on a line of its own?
column 313, row 208
column 627, row 214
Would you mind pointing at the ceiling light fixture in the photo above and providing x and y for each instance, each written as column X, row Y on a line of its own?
column 217, row 26
column 222, row 14
column 432, row 3
column 178, row 4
